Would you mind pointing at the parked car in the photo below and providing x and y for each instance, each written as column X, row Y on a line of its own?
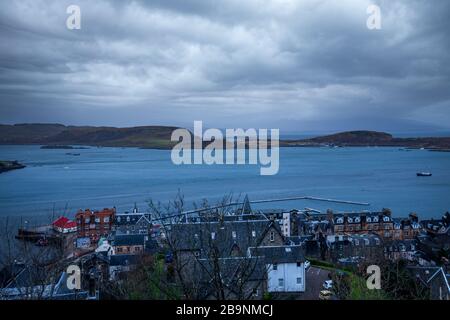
column 307, row 264
column 325, row 295
column 328, row 284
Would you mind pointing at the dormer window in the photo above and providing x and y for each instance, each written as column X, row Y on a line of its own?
column 272, row 236
column 233, row 234
column 386, row 219
column 213, row 235
column 128, row 219
column 254, row 234
column 350, row 220
column 375, row 219
column 358, row 220
column 340, row 220
column 369, row 219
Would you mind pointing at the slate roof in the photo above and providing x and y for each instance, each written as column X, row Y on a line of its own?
column 351, row 217
column 227, row 235
column 401, row 245
column 123, row 259
column 128, row 240
column 279, row 254
column 124, row 219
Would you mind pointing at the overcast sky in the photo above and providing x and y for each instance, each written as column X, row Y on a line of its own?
column 309, row 65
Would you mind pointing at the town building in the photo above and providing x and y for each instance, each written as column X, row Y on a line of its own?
column 401, row 250
column 285, row 267
column 94, row 224
column 380, row 223
column 128, row 244
column 436, row 279
column 133, row 222
column 64, row 225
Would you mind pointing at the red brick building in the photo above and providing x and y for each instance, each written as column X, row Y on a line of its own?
column 94, row 224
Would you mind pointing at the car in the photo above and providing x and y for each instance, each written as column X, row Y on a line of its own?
column 328, row 284
column 325, row 295
column 307, row 264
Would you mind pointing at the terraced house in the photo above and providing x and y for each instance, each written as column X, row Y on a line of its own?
column 380, row 223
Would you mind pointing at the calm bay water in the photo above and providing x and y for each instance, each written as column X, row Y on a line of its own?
column 104, row 177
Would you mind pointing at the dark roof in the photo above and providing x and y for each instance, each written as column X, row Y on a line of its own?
column 131, row 218
column 128, row 240
column 279, row 254
column 362, row 215
column 227, row 235
column 398, row 245
column 123, row 259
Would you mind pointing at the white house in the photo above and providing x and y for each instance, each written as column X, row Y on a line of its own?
column 285, row 267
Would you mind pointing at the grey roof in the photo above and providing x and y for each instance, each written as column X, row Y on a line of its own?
column 123, row 259
column 401, row 245
column 362, row 215
column 279, row 254
column 131, row 218
column 128, row 240
column 228, row 235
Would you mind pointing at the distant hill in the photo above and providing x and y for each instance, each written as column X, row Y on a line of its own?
column 157, row 137
column 370, row 138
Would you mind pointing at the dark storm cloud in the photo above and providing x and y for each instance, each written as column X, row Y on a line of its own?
column 297, row 65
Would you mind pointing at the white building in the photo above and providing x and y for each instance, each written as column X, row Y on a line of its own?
column 285, row 267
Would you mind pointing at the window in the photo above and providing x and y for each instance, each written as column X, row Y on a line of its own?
column 106, row 219
column 87, row 220
column 272, row 236
column 255, row 292
column 119, row 249
column 253, row 233
column 350, row 220
column 128, row 219
column 299, row 280
column 213, row 235
column 369, row 219
column 281, row 282
column 97, row 220
column 275, row 267
column 233, row 234
column 299, row 264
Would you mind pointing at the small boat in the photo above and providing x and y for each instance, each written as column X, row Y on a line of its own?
column 424, row 174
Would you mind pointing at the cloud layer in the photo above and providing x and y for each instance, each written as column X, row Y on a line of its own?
column 298, row 65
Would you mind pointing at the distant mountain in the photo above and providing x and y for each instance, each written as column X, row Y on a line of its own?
column 157, row 137
column 370, row 138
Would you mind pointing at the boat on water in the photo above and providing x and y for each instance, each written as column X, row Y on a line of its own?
column 424, row 174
